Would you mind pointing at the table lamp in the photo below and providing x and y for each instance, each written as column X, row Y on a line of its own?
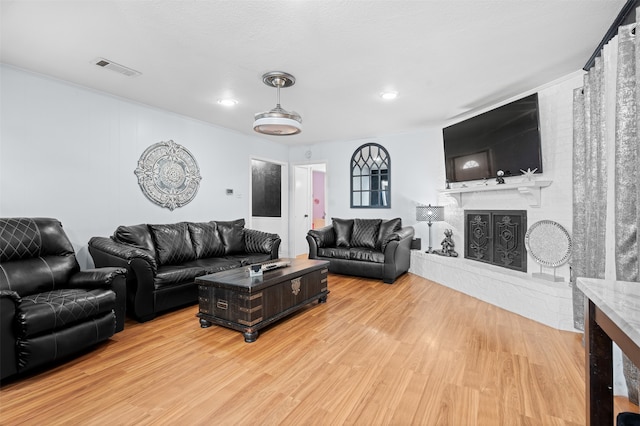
column 429, row 214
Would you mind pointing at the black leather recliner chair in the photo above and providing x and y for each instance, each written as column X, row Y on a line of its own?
column 49, row 308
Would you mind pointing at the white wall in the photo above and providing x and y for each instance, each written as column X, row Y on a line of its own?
column 417, row 172
column 70, row 153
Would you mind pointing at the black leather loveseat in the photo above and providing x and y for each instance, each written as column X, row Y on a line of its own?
column 49, row 308
column 371, row 248
column 164, row 260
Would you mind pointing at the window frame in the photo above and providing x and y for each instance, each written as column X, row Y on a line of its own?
column 371, row 188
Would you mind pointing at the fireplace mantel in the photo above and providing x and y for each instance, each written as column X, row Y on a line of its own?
column 530, row 190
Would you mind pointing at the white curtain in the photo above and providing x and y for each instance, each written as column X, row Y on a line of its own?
column 606, row 169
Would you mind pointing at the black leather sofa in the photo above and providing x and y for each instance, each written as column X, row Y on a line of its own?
column 371, row 248
column 163, row 260
column 49, row 308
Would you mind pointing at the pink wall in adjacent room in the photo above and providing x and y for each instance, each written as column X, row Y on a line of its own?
column 318, row 199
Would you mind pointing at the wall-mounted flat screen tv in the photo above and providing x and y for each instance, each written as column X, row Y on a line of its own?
column 506, row 138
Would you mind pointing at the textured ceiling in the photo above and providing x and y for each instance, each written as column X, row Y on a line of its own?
column 444, row 58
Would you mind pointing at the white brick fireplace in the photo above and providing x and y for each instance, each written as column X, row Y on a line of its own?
column 544, row 301
column 550, row 197
column 547, row 302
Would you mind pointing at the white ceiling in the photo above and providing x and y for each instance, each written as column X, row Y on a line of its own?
column 443, row 57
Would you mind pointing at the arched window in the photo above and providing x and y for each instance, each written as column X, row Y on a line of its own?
column 371, row 177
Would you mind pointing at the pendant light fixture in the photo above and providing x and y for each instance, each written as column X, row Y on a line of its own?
column 278, row 122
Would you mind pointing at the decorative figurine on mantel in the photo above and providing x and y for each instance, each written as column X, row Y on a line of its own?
column 528, row 174
column 447, row 245
column 500, row 178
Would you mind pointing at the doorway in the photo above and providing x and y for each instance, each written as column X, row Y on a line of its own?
column 269, row 200
column 310, row 203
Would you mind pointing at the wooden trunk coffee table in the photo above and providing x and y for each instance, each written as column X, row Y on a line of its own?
column 244, row 303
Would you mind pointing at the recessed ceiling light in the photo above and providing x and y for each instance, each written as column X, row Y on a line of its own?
column 227, row 102
column 389, row 95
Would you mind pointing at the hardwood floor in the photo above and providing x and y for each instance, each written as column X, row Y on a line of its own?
column 413, row 352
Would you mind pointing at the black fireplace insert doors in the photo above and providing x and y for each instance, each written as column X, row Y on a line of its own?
column 496, row 237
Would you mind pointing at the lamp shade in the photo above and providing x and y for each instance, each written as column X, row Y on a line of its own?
column 429, row 213
column 278, row 122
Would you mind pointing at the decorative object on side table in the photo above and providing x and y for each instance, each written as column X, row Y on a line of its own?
column 549, row 244
column 255, row 270
column 500, row 177
column 168, row 174
column 429, row 214
column 447, row 245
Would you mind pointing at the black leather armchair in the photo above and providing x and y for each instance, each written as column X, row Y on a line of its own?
column 49, row 308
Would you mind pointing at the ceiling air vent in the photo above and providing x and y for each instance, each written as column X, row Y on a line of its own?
column 110, row 65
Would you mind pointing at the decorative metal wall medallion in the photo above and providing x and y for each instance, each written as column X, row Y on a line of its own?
column 548, row 243
column 168, row 174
